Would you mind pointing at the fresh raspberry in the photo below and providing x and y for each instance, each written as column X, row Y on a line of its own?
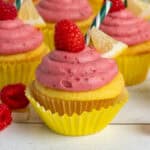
column 68, row 37
column 7, row 11
column 5, row 116
column 14, row 96
column 117, row 5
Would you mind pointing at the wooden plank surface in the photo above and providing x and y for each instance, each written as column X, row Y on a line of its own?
column 39, row 137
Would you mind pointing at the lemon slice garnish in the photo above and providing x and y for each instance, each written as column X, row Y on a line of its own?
column 139, row 8
column 106, row 45
column 29, row 14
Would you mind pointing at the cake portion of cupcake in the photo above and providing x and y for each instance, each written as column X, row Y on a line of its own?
column 96, row 5
column 74, row 82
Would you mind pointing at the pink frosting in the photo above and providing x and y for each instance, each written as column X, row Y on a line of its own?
column 126, row 27
column 81, row 71
column 17, row 37
column 56, row 10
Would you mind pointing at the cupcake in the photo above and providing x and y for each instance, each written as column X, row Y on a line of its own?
column 70, row 92
column 122, row 25
column 96, row 5
column 21, row 48
column 53, row 11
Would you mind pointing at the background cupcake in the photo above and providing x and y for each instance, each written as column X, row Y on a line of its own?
column 70, row 92
column 122, row 25
column 21, row 48
column 53, row 11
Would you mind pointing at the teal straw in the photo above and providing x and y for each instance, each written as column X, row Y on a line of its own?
column 99, row 18
column 126, row 3
column 18, row 4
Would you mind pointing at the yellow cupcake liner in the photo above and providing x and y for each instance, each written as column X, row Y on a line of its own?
column 134, row 68
column 77, row 125
column 17, row 72
column 48, row 31
column 96, row 5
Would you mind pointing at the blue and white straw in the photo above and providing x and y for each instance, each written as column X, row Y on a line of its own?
column 18, row 3
column 99, row 18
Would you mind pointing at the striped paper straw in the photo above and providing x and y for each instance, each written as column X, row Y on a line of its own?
column 18, row 3
column 99, row 18
column 126, row 3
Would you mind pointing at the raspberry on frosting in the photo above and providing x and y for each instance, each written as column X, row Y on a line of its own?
column 7, row 11
column 117, row 5
column 68, row 37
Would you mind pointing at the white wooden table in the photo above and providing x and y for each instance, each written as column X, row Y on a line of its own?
column 129, row 131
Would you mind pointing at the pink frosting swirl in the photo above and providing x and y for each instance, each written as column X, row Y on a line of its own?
column 17, row 37
column 81, row 71
column 126, row 27
column 56, row 10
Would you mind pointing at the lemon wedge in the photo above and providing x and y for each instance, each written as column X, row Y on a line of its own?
column 106, row 45
column 140, row 8
column 29, row 14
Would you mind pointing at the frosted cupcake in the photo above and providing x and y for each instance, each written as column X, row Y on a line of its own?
column 122, row 25
column 21, row 48
column 53, row 11
column 70, row 92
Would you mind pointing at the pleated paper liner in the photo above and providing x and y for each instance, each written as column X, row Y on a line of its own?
column 77, row 125
column 17, row 72
column 48, row 31
column 69, row 107
column 22, row 69
column 134, row 68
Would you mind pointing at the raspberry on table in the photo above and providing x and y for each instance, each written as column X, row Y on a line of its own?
column 5, row 116
column 14, row 96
